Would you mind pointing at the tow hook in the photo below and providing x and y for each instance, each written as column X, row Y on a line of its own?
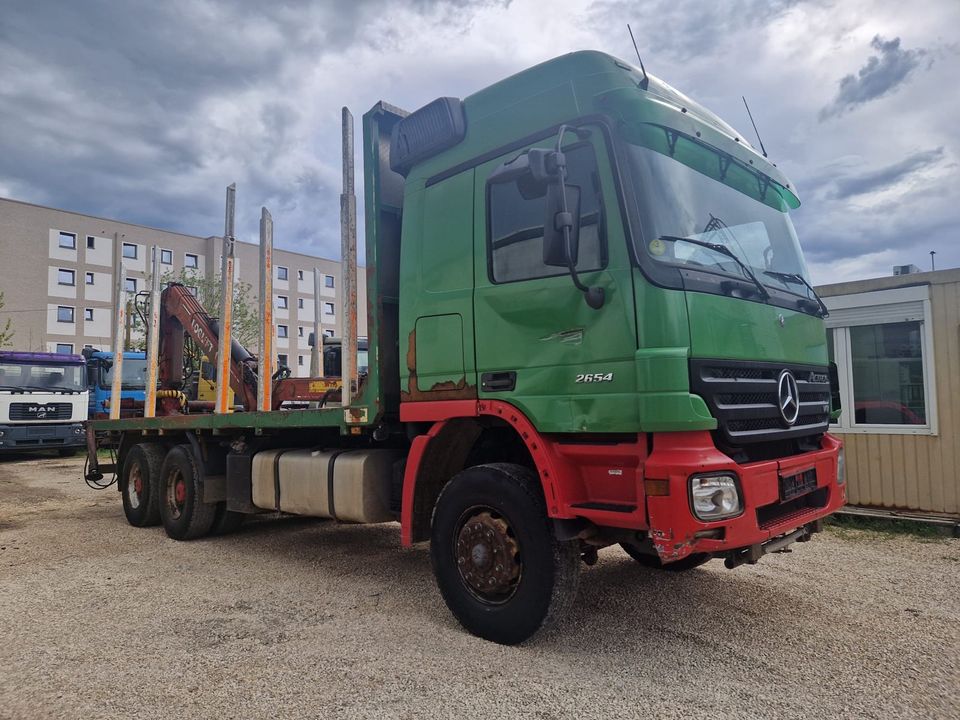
column 752, row 554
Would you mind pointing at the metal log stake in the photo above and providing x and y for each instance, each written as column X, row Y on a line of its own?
column 226, row 305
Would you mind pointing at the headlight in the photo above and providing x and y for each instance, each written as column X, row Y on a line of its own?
column 715, row 497
column 841, row 468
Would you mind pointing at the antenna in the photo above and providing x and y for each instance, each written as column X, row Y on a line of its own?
column 750, row 114
column 646, row 81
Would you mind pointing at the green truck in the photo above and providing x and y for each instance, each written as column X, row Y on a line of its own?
column 589, row 324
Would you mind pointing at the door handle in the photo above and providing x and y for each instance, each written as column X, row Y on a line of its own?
column 498, row 381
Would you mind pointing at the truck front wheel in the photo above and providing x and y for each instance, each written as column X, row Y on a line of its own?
column 499, row 567
column 138, row 484
column 185, row 516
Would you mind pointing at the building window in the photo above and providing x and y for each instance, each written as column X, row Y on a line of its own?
column 300, row 331
column 68, row 241
column 65, row 348
column 64, row 314
column 191, row 261
column 130, row 285
column 282, row 302
column 328, row 333
column 282, row 360
column 281, row 272
column 328, row 308
column 91, row 242
column 88, row 314
column 166, row 257
column 130, row 251
column 515, row 223
column 192, row 290
column 89, row 278
column 66, row 277
column 300, row 360
column 299, row 274
column 882, row 344
column 328, row 280
column 281, row 331
column 299, row 303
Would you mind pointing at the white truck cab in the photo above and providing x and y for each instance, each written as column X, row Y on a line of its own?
column 43, row 402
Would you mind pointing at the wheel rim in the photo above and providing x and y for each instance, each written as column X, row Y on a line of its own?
column 487, row 554
column 135, row 486
column 176, row 494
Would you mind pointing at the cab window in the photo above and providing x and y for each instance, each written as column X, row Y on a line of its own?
column 515, row 218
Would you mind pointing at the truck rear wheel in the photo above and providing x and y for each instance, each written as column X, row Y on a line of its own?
column 184, row 514
column 652, row 561
column 139, row 482
column 499, row 567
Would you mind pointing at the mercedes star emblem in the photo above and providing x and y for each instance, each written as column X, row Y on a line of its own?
column 788, row 397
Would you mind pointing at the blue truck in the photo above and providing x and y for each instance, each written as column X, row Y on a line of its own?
column 100, row 382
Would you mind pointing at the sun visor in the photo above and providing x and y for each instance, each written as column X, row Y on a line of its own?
column 433, row 128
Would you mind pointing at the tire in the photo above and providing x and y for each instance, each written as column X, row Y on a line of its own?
column 226, row 521
column 184, row 514
column 66, row 452
column 653, row 562
column 139, row 484
column 491, row 512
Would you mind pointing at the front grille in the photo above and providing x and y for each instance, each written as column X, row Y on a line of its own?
column 40, row 411
column 742, row 396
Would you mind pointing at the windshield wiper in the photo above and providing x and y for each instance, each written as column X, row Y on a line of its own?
column 64, row 389
column 723, row 250
column 800, row 280
column 11, row 387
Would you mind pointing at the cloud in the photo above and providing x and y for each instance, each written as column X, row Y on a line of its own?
column 145, row 111
column 881, row 75
column 887, row 176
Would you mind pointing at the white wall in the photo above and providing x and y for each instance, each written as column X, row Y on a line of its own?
column 139, row 263
column 54, row 327
column 102, row 252
column 102, row 288
column 62, row 291
column 58, row 253
column 305, row 286
column 101, row 326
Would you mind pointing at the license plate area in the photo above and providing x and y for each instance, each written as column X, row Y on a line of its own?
column 793, row 486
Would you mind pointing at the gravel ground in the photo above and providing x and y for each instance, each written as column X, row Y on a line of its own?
column 297, row 618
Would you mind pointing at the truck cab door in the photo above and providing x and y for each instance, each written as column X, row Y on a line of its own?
column 539, row 346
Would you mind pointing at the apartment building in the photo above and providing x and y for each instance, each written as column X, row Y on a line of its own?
column 57, row 271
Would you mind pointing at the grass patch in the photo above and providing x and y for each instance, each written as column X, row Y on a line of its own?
column 845, row 525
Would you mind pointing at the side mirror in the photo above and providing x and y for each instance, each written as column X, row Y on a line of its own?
column 563, row 211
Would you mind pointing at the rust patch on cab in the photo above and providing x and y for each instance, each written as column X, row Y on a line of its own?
column 447, row 390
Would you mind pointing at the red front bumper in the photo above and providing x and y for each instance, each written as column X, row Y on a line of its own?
column 675, row 530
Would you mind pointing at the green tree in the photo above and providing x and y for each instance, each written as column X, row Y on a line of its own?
column 6, row 334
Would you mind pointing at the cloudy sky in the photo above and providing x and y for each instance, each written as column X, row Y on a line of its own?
column 145, row 111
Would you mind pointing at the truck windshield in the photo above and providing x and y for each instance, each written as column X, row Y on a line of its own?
column 41, row 377
column 133, row 377
column 688, row 190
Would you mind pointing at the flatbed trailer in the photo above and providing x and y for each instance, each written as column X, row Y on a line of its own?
column 589, row 324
